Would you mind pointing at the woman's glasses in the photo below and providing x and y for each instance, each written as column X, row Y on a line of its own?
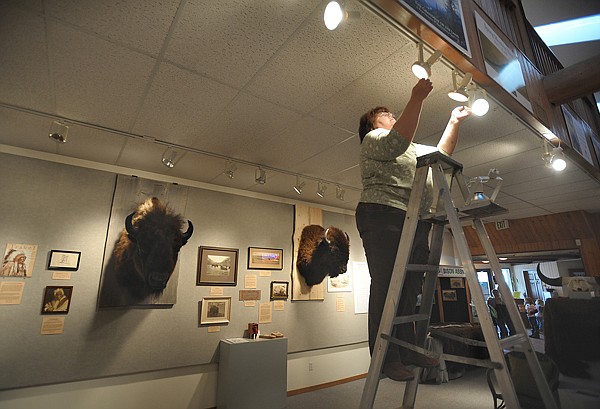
column 388, row 114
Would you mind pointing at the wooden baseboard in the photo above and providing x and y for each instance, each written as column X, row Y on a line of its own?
column 325, row 385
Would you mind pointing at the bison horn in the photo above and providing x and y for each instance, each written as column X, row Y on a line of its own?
column 557, row 282
column 129, row 227
column 188, row 233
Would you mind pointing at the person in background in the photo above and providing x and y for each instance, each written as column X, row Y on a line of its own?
column 531, row 310
column 388, row 160
column 539, row 304
column 497, row 312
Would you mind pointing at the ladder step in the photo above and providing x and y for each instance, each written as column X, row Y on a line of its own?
column 468, row 341
column 412, row 347
column 485, row 363
column 516, row 342
column 483, row 209
column 403, row 319
column 422, row 268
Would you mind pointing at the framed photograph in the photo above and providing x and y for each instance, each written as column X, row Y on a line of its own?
column 215, row 310
column 448, row 295
column 217, row 266
column 279, row 290
column 457, row 282
column 265, row 258
column 64, row 260
column 580, row 133
column 57, row 299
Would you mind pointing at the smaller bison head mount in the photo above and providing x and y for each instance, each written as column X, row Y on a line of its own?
column 571, row 285
column 148, row 247
column 322, row 252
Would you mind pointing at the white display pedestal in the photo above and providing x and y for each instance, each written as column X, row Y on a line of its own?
column 252, row 373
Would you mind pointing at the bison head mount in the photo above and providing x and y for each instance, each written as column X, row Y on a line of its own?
column 571, row 285
column 148, row 247
column 322, row 252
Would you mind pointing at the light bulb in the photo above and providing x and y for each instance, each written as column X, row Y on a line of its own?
column 333, row 15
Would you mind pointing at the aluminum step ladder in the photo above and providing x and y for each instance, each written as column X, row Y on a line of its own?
column 446, row 171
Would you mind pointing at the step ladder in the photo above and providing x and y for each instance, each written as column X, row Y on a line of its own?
column 446, row 171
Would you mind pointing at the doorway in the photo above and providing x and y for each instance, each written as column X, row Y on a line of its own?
column 533, row 284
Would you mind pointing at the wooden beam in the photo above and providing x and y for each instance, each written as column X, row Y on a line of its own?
column 573, row 82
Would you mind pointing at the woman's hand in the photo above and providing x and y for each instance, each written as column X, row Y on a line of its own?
column 422, row 89
column 460, row 113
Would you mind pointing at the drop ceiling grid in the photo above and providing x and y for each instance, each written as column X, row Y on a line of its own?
column 140, row 25
column 181, row 105
column 96, row 81
column 317, row 63
column 24, row 73
column 231, row 40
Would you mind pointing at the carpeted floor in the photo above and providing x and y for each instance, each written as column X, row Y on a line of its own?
column 470, row 391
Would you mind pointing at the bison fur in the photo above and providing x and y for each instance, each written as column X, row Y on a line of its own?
column 322, row 252
column 148, row 247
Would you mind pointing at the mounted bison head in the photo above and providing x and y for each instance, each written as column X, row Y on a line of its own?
column 322, row 252
column 147, row 250
column 571, row 284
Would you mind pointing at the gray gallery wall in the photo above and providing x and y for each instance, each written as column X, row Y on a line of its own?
column 57, row 206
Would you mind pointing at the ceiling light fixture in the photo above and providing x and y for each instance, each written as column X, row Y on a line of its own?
column 260, row 176
column 554, row 159
column 335, row 13
column 422, row 70
column 299, row 185
column 478, row 102
column 169, row 157
column 321, row 188
column 459, row 92
column 339, row 193
column 58, row 131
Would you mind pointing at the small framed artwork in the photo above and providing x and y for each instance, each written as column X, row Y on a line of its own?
column 448, row 295
column 457, row 282
column 215, row 310
column 265, row 258
column 279, row 290
column 64, row 260
column 57, row 299
column 217, row 266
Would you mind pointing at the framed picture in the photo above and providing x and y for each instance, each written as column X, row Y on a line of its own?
column 57, row 299
column 217, row 266
column 215, row 310
column 64, row 260
column 265, row 258
column 457, row 282
column 448, row 295
column 279, row 290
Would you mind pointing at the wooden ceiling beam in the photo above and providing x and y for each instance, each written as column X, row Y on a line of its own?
column 573, row 82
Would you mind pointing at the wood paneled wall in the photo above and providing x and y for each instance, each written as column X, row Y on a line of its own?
column 559, row 231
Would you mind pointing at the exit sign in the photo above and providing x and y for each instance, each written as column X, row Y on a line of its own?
column 501, row 224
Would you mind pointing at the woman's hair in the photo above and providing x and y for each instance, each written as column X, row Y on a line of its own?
column 366, row 121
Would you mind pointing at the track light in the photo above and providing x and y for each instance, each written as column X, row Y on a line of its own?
column 260, row 176
column 231, row 168
column 299, row 185
column 169, row 157
column 554, row 159
column 339, row 193
column 460, row 93
column 478, row 102
column 58, row 132
column 321, row 188
column 422, row 70
column 335, row 13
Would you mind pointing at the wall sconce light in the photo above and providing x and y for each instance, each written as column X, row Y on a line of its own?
column 321, row 188
column 58, row 132
column 299, row 185
column 231, row 168
column 335, row 13
column 422, row 70
column 459, row 92
column 260, row 176
column 169, row 157
column 478, row 102
column 339, row 193
column 554, row 159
